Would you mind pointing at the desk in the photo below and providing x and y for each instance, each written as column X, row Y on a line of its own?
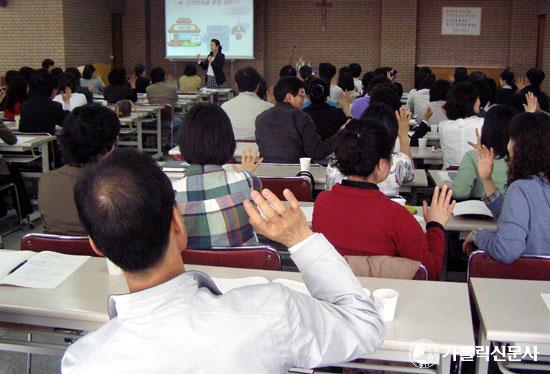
column 156, row 111
column 526, row 318
column 28, row 143
column 426, row 154
column 465, row 224
column 442, row 177
column 427, row 310
column 128, row 123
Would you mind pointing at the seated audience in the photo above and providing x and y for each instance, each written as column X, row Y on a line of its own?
column 327, row 71
column 419, row 99
column 287, row 71
column 39, row 113
column 167, row 305
column 507, row 87
column 160, row 92
column 531, row 84
column 210, row 196
column 89, row 134
column 91, row 80
column 243, row 109
column 68, row 96
column 370, row 82
column 487, row 97
column 378, row 225
column 142, row 82
column 16, row 94
column 48, row 64
column 79, row 89
column 402, row 167
column 461, row 107
column 355, row 70
column 494, row 135
column 434, row 113
column 190, row 81
column 327, row 119
column 285, row 133
column 119, row 87
column 460, row 75
column 522, row 214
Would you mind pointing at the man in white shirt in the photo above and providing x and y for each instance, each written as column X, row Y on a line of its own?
column 243, row 109
column 174, row 321
column 68, row 97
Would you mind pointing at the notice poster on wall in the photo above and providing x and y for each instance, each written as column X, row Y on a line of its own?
column 461, row 21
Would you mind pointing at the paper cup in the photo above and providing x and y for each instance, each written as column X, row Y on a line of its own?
column 385, row 300
column 422, row 143
column 435, row 129
column 305, row 163
column 400, row 201
column 112, row 268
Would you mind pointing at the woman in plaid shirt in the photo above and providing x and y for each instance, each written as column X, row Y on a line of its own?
column 211, row 194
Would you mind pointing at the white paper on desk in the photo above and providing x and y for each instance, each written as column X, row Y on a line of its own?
column 546, row 299
column 308, row 212
column 45, row 270
column 474, row 207
column 10, row 260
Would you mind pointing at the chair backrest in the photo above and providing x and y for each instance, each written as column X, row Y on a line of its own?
column 527, row 267
column 421, row 273
column 69, row 245
column 167, row 112
column 300, row 187
column 251, row 257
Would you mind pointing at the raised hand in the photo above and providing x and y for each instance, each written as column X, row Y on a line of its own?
column 283, row 224
column 521, row 82
column 476, row 146
column 485, row 160
column 249, row 161
column 132, row 80
column 441, row 208
column 403, row 116
column 532, row 103
column 66, row 95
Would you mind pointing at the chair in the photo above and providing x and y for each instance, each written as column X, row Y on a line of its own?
column 300, row 187
column 69, row 245
column 10, row 186
column 527, row 267
column 421, row 274
column 249, row 257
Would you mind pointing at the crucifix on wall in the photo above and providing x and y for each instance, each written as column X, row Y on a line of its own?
column 324, row 5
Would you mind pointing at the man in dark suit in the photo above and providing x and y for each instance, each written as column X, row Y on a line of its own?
column 142, row 82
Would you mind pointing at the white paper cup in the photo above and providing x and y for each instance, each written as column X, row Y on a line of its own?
column 17, row 120
column 400, row 201
column 435, row 129
column 112, row 268
column 385, row 300
column 422, row 143
column 305, row 163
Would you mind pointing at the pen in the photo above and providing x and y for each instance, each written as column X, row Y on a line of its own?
column 17, row 267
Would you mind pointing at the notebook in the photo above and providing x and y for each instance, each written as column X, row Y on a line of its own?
column 46, row 270
column 472, row 207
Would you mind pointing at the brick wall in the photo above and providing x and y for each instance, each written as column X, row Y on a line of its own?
column 133, row 33
column 543, row 7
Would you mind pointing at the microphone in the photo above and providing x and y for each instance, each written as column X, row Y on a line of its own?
column 292, row 54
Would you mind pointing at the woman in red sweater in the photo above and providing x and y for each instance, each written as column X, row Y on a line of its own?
column 16, row 94
column 360, row 220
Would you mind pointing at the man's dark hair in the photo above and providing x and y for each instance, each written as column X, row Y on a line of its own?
column 507, row 76
column 386, row 94
column 208, row 138
column 117, row 77
column 139, row 69
column 305, row 72
column 287, row 71
column 360, row 146
column 420, row 75
column 190, row 70
column 16, row 93
column 384, row 115
column 67, row 80
column 355, row 69
column 158, row 75
column 26, row 72
column 535, row 76
column 426, row 82
column 9, row 75
column 247, row 79
column 479, row 80
column 318, row 90
column 377, row 80
column 262, row 89
column 366, row 79
column 495, row 132
column 75, row 73
column 287, row 85
column 42, row 82
column 460, row 75
column 47, row 63
column 327, row 71
column 461, row 100
column 125, row 203
column 89, row 132
column 88, row 71
column 440, row 89
column 345, row 81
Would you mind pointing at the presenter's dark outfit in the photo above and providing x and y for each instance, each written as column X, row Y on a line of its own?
column 218, row 77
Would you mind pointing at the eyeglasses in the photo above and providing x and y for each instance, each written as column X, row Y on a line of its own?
column 302, row 95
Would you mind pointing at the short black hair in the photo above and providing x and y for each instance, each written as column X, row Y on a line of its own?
column 460, row 75
column 507, row 76
column 287, row 71
column 75, row 73
column 190, row 70
column 386, row 93
column 9, row 75
column 360, row 146
column 495, row 132
column 89, row 132
column 376, row 81
column 57, row 72
column 461, row 100
column 345, row 81
column 384, row 115
column 366, row 79
column 117, row 77
column 327, row 70
column 355, row 69
column 247, row 79
column 208, row 138
column 67, row 80
column 262, row 89
column 420, row 75
column 305, row 72
column 318, row 90
column 158, row 75
column 535, row 76
column 88, row 71
column 440, row 89
column 139, row 69
column 426, row 82
column 42, row 82
column 47, row 63
column 287, row 85
column 26, row 72
column 483, row 87
column 399, row 87
column 125, row 203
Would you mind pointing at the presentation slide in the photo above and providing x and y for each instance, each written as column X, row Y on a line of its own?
column 191, row 24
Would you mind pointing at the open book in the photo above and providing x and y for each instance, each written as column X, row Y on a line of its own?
column 37, row 270
column 472, row 207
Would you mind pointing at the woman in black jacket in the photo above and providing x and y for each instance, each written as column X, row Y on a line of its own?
column 213, row 65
